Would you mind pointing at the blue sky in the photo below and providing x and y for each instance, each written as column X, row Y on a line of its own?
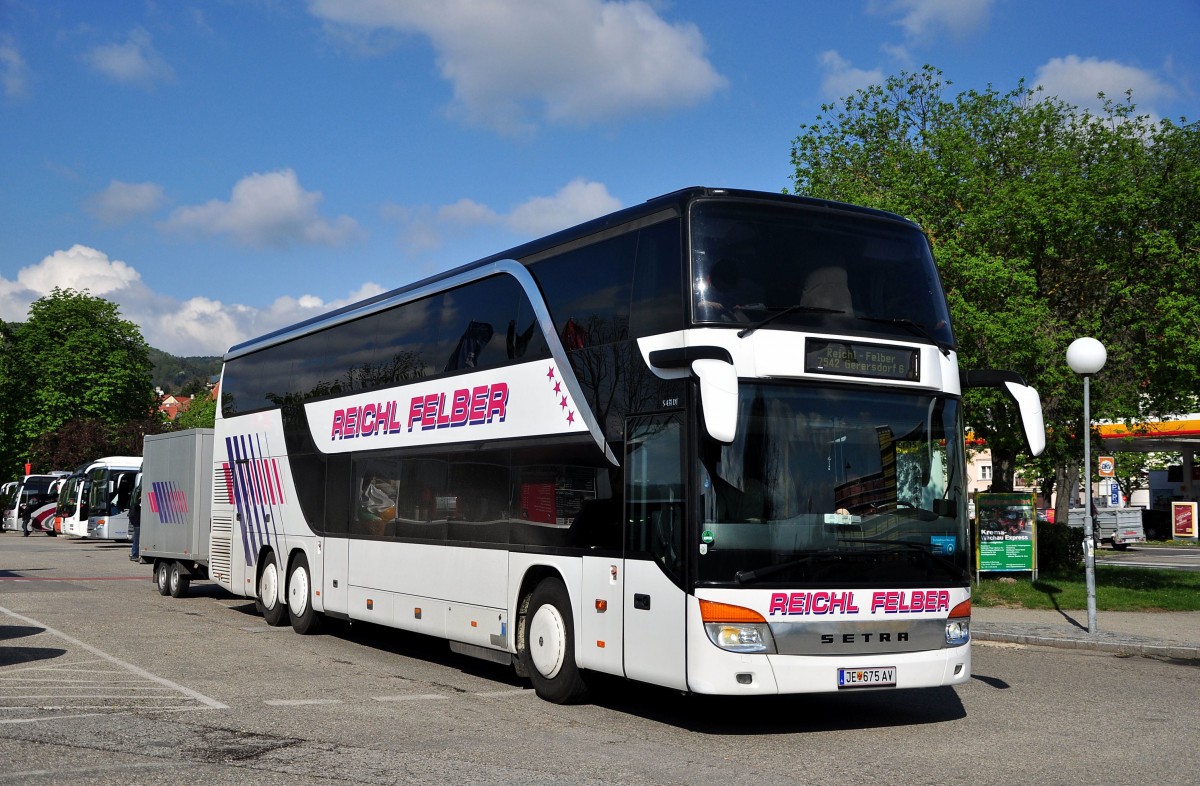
column 222, row 168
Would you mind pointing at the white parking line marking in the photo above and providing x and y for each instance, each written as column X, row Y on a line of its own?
column 299, row 702
column 412, row 697
column 200, row 697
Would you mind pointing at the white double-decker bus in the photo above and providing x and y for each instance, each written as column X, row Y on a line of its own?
column 713, row 442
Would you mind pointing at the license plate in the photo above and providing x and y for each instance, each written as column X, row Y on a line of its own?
column 882, row 677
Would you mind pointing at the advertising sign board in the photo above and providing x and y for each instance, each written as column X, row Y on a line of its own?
column 1007, row 533
column 1183, row 520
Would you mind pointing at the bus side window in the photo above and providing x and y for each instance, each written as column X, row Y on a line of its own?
column 658, row 281
column 654, row 490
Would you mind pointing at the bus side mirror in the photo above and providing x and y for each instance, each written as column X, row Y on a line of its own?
column 1026, row 398
column 1030, row 405
column 718, row 397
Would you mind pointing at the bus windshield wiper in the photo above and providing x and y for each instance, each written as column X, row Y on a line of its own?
column 746, row 576
column 915, row 327
column 784, row 311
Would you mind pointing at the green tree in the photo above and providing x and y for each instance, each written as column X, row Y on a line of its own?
column 75, row 358
column 1048, row 223
column 201, row 413
column 79, row 441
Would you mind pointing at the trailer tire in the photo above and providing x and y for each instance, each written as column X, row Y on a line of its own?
column 549, row 651
column 162, row 576
column 305, row 619
column 274, row 612
column 178, row 581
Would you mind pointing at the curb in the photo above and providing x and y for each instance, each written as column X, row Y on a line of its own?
column 1144, row 648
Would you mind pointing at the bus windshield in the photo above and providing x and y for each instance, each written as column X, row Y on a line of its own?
column 837, row 487
column 814, row 270
column 70, row 495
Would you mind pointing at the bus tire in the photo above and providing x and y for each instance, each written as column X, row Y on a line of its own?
column 178, row 581
column 273, row 611
column 549, row 652
column 162, row 576
column 305, row 619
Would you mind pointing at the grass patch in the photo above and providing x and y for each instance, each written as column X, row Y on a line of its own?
column 1117, row 589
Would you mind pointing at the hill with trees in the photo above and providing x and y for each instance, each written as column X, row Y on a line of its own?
column 182, row 376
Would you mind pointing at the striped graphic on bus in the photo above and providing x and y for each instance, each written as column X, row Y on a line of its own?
column 168, row 502
column 256, row 489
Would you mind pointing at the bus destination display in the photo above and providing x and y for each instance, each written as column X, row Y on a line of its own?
column 855, row 359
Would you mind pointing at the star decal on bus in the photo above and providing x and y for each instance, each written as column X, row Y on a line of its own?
column 564, row 402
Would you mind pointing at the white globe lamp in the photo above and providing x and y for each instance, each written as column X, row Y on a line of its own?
column 1086, row 356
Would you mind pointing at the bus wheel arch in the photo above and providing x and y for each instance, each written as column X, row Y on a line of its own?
column 274, row 610
column 304, row 618
column 547, row 643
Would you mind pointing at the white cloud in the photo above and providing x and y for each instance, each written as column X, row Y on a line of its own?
column 1077, row 80
column 575, row 202
column 567, row 62
column 840, row 79
column 266, row 210
column 134, row 62
column 14, row 73
column 79, row 267
column 468, row 212
column 122, row 202
column 926, row 19
column 578, row 201
column 196, row 326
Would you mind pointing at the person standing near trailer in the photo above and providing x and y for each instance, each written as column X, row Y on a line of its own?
column 135, row 522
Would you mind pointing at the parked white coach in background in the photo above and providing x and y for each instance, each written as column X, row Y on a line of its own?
column 94, row 501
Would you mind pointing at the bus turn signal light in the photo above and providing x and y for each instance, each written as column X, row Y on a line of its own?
column 711, row 611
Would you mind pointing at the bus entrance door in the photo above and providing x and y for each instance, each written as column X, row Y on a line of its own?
column 655, row 603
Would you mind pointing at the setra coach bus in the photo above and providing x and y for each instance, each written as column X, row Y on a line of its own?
column 712, row 442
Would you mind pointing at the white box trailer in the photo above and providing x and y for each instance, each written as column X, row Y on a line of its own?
column 176, row 507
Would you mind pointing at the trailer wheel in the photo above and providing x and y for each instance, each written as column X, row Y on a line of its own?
column 162, row 576
column 549, row 652
column 274, row 612
column 178, row 581
column 305, row 619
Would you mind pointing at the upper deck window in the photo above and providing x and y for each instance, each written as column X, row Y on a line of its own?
column 814, row 269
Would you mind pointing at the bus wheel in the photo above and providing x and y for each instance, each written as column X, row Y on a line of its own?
column 178, row 581
column 549, row 653
column 162, row 576
column 304, row 618
column 274, row 612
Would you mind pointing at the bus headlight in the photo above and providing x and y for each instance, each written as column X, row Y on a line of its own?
column 736, row 629
column 958, row 625
column 741, row 638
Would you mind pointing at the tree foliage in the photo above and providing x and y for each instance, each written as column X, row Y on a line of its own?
column 201, row 413
column 79, row 441
column 1048, row 223
column 74, row 359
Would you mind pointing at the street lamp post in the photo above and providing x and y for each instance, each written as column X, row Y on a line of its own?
column 1086, row 356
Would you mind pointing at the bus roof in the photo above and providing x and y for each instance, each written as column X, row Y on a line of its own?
column 676, row 200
